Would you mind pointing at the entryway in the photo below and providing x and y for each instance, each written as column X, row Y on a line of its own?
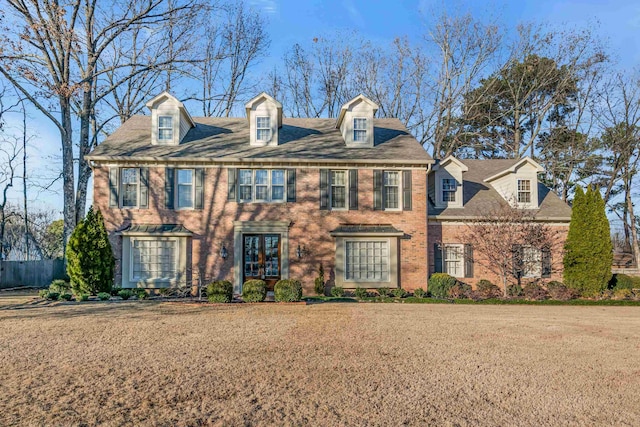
column 261, row 258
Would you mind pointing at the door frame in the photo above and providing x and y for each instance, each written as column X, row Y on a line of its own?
column 258, row 227
column 262, row 254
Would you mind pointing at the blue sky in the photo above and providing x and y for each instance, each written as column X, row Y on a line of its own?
column 291, row 21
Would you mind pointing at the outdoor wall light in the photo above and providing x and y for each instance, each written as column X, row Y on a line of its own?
column 223, row 251
column 299, row 251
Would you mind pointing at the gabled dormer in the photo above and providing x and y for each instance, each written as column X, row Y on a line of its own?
column 356, row 122
column 265, row 119
column 519, row 184
column 170, row 120
column 448, row 183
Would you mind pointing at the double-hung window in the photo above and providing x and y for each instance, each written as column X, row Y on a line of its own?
column 359, row 129
column 277, row 185
column 449, row 186
column 262, row 185
column 185, row 188
column 130, row 179
column 153, row 259
column 452, row 260
column 367, row 260
column 531, row 262
column 524, row 191
column 338, row 193
column 391, row 183
column 165, row 128
column 263, row 128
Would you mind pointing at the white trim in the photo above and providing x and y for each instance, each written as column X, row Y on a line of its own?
column 461, row 260
column 176, row 259
column 165, row 140
column 258, row 128
column 346, row 190
column 121, row 189
column 514, row 167
column 367, row 240
column 177, row 187
column 400, row 192
column 269, row 186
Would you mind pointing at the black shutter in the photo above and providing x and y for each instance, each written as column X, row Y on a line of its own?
column 517, row 253
column 406, row 190
column 437, row 256
column 377, row 190
column 114, row 174
column 353, row 189
column 199, row 190
column 291, row 185
column 144, row 188
column 546, row 262
column 468, row 260
column 324, row 189
column 232, row 190
column 169, row 180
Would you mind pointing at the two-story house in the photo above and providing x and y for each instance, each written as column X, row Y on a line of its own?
column 198, row 198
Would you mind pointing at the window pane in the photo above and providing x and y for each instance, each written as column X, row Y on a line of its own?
column 391, row 197
column 338, row 199
column 261, row 192
column 245, row 176
column 277, row 192
column 263, row 122
column 185, row 176
column 165, row 122
column 277, row 177
column 338, row 177
column 129, row 187
column 360, row 135
column 360, row 124
column 449, row 184
column 153, row 259
column 453, row 256
column 165, row 128
column 367, row 261
column 245, row 192
column 262, row 177
column 185, row 196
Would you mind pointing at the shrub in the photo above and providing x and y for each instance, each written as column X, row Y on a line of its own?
column 141, row 293
column 125, row 294
column 622, row 281
column 318, row 285
column 65, row 297
column 535, row 292
column 104, row 296
column 515, row 291
column 419, row 293
column 337, row 291
column 82, row 297
column 384, row 292
column 460, row 291
column 288, row 290
column 43, row 293
column 90, row 261
column 361, row 293
column 439, row 284
column 60, row 286
column 558, row 291
column 115, row 291
column 53, row 296
column 254, row 291
column 622, row 294
column 488, row 290
column 220, row 291
column 399, row 292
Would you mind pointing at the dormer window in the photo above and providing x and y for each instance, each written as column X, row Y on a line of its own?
column 360, row 129
column 263, row 128
column 165, row 128
column 449, row 190
column 524, row 191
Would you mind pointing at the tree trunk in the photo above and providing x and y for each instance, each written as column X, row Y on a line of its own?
column 634, row 232
column 68, row 175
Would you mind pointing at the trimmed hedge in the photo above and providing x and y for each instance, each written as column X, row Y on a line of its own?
column 337, row 291
column 440, row 283
column 288, row 290
column 254, row 290
column 220, row 291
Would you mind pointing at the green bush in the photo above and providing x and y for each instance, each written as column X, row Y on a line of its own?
column 488, row 290
column 104, row 296
column 384, row 292
column 220, row 291
column 439, row 285
column 399, row 293
column 337, row 291
column 558, row 291
column 419, row 293
column 60, row 286
column 288, row 290
column 460, row 291
column 318, row 286
column 125, row 294
column 90, row 261
column 141, row 293
column 535, row 292
column 43, row 293
column 115, row 291
column 515, row 291
column 65, row 297
column 622, row 294
column 82, row 297
column 53, row 296
column 254, row 291
column 622, row 281
column 361, row 293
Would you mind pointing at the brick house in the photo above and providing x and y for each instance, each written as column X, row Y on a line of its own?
column 188, row 199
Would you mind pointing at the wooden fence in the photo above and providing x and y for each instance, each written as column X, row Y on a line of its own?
column 30, row 273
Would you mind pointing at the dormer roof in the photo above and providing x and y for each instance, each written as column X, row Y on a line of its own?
column 356, row 100
column 515, row 167
column 153, row 103
column 451, row 159
column 264, row 96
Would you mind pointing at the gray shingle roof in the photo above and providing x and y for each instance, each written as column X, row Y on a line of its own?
column 227, row 139
column 479, row 196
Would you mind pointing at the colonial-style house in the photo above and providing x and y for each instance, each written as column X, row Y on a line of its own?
column 193, row 199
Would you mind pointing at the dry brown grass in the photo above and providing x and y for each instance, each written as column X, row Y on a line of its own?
column 149, row 363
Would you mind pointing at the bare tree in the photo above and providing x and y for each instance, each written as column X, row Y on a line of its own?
column 10, row 149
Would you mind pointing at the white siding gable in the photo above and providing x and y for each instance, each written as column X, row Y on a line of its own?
column 449, row 169
column 506, row 184
column 165, row 105
column 356, row 122
column 258, row 109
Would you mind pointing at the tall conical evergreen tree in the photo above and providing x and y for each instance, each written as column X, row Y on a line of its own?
column 90, row 261
column 588, row 249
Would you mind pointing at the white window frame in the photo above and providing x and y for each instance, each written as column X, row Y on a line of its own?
column 346, row 189
column 269, row 186
column 368, row 240
column 176, row 259
column 447, row 189
column 384, row 192
column 263, row 128
column 523, row 192
column 177, row 190
column 531, row 273
column 459, row 248
column 161, row 128
column 121, row 189
column 360, row 130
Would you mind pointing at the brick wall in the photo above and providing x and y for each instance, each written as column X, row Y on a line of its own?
column 213, row 226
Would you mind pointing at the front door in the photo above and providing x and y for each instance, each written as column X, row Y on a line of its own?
column 262, row 258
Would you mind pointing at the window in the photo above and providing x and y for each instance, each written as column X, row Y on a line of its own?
column 262, row 185
column 449, row 186
column 531, row 262
column 367, row 261
column 524, row 191
column 165, row 128
column 185, row 188
column 338, row 193
column 263, row 128
column 453, row 256
column 391, row 183
column 153, row 259
column 360, row 130
column 130, row 183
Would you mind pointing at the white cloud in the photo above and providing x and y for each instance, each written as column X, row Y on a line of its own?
column 269, row 6
column 354, row 13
